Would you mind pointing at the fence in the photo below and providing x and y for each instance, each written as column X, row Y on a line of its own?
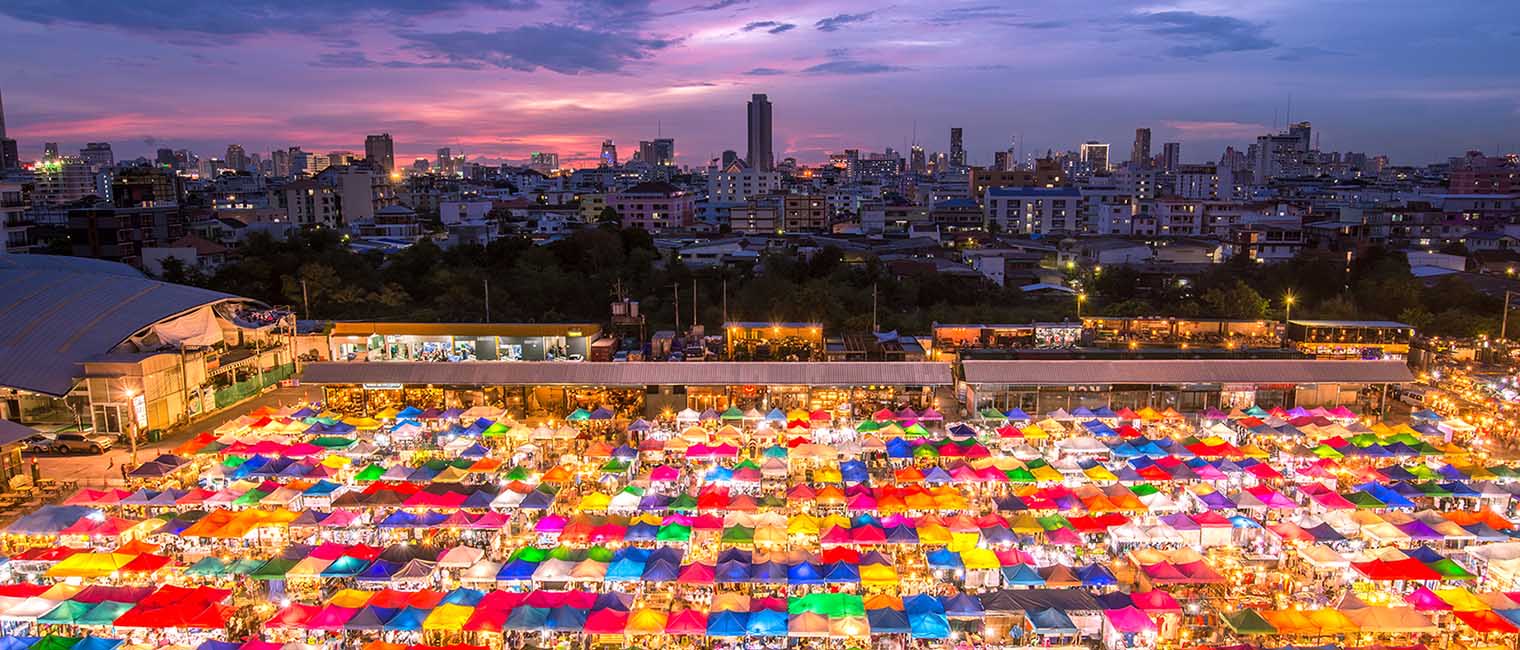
column 244, row 389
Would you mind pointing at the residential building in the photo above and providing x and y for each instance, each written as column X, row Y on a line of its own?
column 136, row 186
column 1140, row 152
column 15, row 224
column 740, row 181
column 759, row 155
column 957, row 148
column 655, row 206
column 380, row 151
column 1094, row 157
column 658, row 153
column 1266, row 244
column 237, row 159
column 1197, row 181
column 757, row 216
column 804, row 213
column 120, row 234
column 97, row 155
column 545, row 162
column 1171, row 156
column 1033, row 210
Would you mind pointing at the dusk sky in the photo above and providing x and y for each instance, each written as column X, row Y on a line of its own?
column 497, row 79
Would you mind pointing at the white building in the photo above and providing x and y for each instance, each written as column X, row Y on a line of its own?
column 740, row 182
column 1034, row 210
column 456, row 212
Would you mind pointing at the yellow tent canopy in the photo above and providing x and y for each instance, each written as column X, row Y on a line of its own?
column 89, row 565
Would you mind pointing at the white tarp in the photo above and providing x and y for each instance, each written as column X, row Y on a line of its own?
column 199, row 328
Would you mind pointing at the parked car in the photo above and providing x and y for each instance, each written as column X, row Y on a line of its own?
column 69, row 443
column 39, row 443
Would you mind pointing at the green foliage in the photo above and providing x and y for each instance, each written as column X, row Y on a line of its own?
column 1237, row 301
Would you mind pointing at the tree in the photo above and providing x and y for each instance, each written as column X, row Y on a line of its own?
column 609, row 218
column 1237, row 301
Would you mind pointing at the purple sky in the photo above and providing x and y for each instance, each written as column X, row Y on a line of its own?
column 501, row 78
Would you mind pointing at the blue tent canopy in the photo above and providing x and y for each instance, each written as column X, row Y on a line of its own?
column 888, row 621
column 464, row 596
column 841, row 572
column 48, row 520
column 371, row 618
column 730, row 624
column 1022, row 575
column 805, row 573
column 565, row 618
column 963, row 606
column 1096, row 575
column 526, row 618
column 766, row 622
column 409, row 619
column 1050, row 621
column 944, row 558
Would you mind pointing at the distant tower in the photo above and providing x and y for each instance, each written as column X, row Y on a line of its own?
column 759, row 155
column 609, row 156
column 9, row 158
column 1171, row 156
column 381, row 150
column 1140, row 155
column 957, row 148
column 236, row 159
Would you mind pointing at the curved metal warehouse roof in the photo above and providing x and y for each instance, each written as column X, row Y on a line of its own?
column 56, row 312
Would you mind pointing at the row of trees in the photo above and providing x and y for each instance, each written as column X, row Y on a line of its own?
column 575, row 279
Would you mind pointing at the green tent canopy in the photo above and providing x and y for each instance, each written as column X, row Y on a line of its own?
column 274, row 569
column 1248, row 621
column 578, row 415
column 370, row 474
column 733, row 413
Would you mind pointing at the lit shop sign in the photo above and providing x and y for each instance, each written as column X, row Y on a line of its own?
column 140, row 409
column 382, row 386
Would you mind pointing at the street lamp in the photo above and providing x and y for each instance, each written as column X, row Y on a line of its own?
column 1081, row 297
column 1287, row 315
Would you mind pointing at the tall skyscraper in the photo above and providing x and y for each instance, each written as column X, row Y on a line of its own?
column 1094, row 155
column 237, row 159
column 609, row 154
column 759, row 155
column 1171, row 156
column 1140, row 154
column 380, row 150
column 957, row 148
column 918, row 162
column 279, row 163
column 659, row 152
column 164, row 157
column 543, row 161
column 97, row 155
column 445, row 164
column 9, row 157
column 49, row 150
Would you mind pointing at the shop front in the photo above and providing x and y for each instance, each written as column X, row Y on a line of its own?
column 461, row 342
column 635, row 389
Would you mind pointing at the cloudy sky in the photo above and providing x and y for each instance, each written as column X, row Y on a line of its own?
column 498, row 79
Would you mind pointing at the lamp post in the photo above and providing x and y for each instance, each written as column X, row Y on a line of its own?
column 1081, row 298
column 1287, row 315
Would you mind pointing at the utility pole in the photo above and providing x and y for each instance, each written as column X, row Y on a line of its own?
column 305, row 299
column 694, row 319
column 1504, row 321
column 875, row 327
column 676, row 308
column 725, row 302
column 487, row 282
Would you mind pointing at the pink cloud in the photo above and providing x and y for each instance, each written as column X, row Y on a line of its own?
column 1216, row 130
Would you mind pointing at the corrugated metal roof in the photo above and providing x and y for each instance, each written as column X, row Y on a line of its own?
column 587, row 373
column 1353, row 323
column 14, row 432
column 56, row 312
column 1184, row 371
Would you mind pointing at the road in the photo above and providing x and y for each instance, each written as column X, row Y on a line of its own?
column 105, row 469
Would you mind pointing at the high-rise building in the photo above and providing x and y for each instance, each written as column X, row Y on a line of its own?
column 279, row 163
column 1171, row 156
column 918, row 162
column 380, row 150
column 300, row 162
column 660, row 152
column 49, row 150
column 9, row 156
column 543, row 161
column 237, row 159
column 727, row 159
column 445, row 164
column 164, row 157
column 759, row 155
column 97, row 155
column 1140, row 154
column 957, row 147
column 1001, row 161
column 609, row 156
column 1094, row 155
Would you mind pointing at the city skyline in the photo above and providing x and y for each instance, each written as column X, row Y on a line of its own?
column 499, row 80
